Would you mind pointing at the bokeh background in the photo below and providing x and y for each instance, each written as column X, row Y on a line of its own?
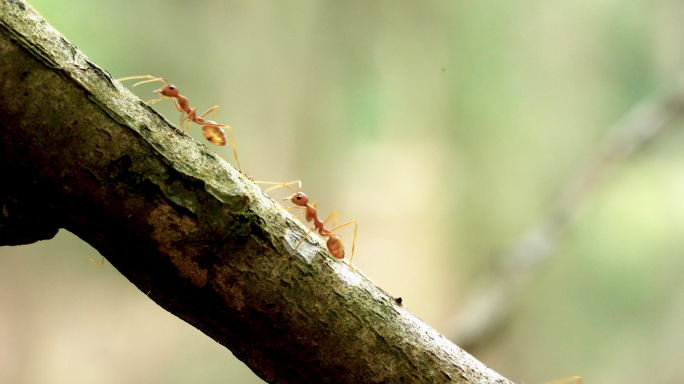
column 445, row 128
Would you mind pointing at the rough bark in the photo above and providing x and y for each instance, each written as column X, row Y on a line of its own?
column 80, row 152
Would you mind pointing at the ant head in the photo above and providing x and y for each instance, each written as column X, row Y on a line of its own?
column 169, row 90
column 299, row 199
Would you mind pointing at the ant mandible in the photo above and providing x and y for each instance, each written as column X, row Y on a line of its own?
column 211, row 130
column 334, row 242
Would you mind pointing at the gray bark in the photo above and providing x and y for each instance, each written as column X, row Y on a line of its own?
column 80, row 152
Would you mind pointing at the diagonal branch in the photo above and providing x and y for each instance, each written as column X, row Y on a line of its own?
column 80, row 152
column 489, row 302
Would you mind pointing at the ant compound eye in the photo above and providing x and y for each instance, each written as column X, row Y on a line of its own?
column 299, row 197
column 172, row 87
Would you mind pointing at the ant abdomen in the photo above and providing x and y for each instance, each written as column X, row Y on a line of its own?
column 335, row 246
column 214, row 134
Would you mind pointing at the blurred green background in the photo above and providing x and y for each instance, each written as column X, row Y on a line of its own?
column 445, row 128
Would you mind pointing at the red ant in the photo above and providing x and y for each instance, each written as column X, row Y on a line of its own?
column 211, row 130
column 301, row 201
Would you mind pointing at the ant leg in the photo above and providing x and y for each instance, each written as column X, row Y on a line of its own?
column 232, row 142
column 300, row 243
column 278, row 185
column 152, row 80
column 299, row 214
column 190, row 116
column 179, row 124
column 215, row 109
column 135, row 77
column 139, row 77
column 100, row 266
column 569, row 379
column 159, row 99
column 354, row 245
column 335, row 214
column 284, row 185
column 294, row 208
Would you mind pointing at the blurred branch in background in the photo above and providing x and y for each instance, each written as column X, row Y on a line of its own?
column 487, row 305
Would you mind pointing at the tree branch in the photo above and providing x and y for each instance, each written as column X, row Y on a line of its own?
column 82, row 153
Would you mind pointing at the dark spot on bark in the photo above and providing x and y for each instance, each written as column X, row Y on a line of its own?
column 209, row 154
column 149, row 108
column 18, row 3
column 256, row 230
column 71, row 47
column 91, row 174
column 118, row 168
column 102, row 74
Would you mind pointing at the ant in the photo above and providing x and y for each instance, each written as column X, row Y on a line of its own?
column 301, row 201
column 211, row 130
